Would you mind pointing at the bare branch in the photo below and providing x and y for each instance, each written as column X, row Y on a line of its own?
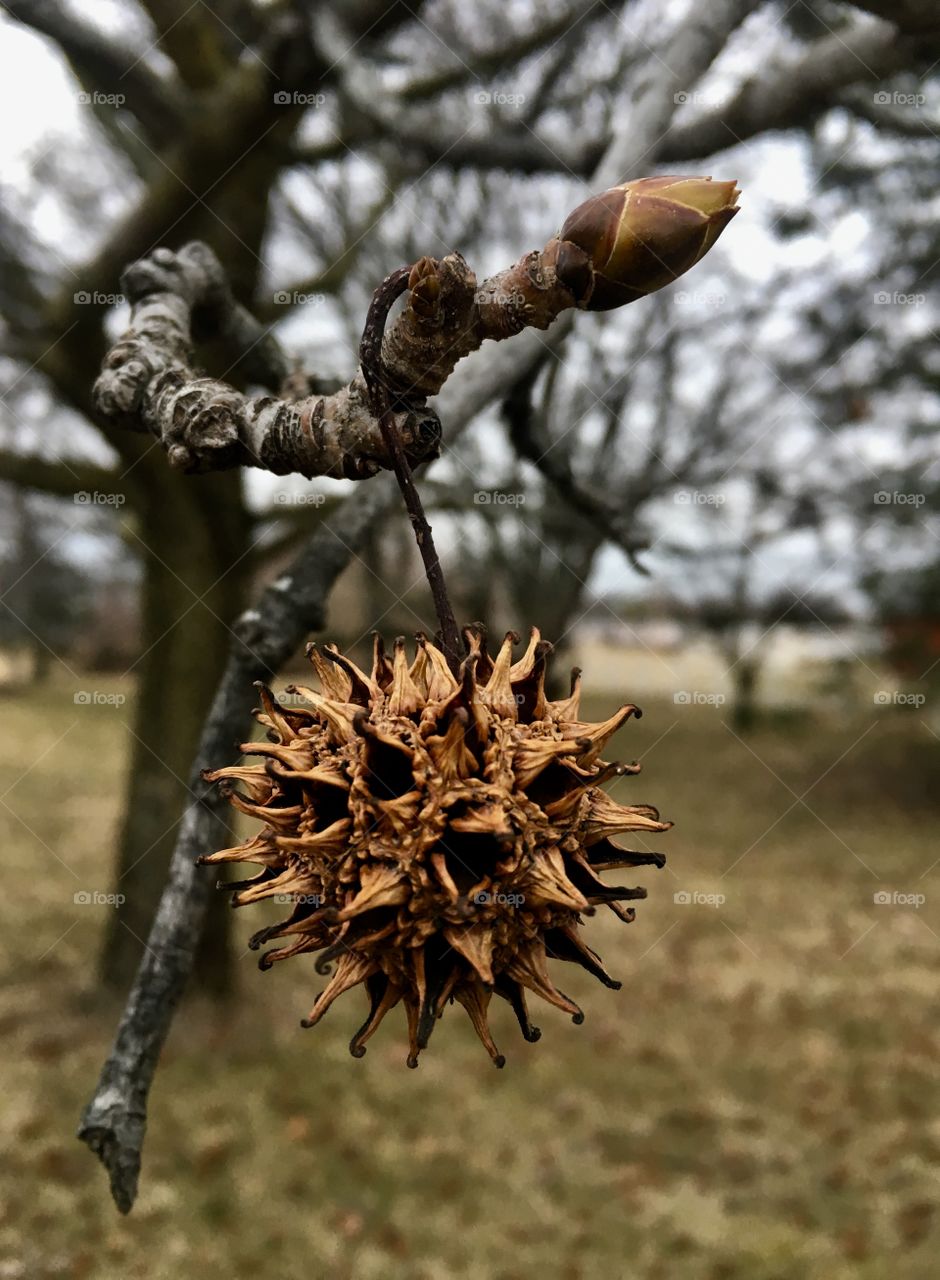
column 506, row 53
column 30, row 471
column 148, row 383
column 204, row 424
column 530, row 438
column 692, row 49
column 795, row 93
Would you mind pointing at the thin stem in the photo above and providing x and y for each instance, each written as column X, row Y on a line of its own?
column 370, row 359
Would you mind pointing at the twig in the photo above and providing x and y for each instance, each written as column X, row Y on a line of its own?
column 370, row 360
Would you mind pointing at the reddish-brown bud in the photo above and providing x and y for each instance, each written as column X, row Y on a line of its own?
column 642, row 235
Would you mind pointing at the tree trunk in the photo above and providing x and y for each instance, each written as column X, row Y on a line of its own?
column 194, row 534
column 744, row 712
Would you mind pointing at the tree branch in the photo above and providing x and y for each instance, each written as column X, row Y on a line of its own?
column 793, row 94
column 532, row 442
column 64, row 479
column 148, row 382
column 206, row 425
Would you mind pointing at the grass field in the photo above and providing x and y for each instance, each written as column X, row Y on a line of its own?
column 761, row 1100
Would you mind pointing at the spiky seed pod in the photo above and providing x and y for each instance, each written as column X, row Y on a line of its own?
column 440, row 837
column 641, row 236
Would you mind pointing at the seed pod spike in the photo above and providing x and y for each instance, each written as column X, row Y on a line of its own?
column 351, row 970
column 382, row 886
column 528, row 967
column 362, row 690
column 383, row 996
column 382, row 673
column 568, row 802
column 275, row 712
column 475, row 998
column 497, row 694
column 563, row 943
column 259, row 848
column 252, row 777
column 298, row 948
column 626, row 914
column 605, row 855
column 338, row 716
column 547, row 884
column 414, row 1048
column 514, row 993
column 522, row 669
column 475, row 944
column 608, row 818
column 598, row 735
column 335, row 684
column 567, row 709
column 475, row 640
column 404, row 697
column 441, row 682
column 529, row 690
column 433, row 972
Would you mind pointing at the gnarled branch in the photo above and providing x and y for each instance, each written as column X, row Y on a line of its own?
column 149, row 383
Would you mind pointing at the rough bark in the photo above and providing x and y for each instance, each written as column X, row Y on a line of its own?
column 148, row 381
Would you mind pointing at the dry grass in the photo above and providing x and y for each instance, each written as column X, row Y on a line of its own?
column 760, row 1101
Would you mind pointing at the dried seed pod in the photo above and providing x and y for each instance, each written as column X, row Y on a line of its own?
column 439, row 837
column 641, row 236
